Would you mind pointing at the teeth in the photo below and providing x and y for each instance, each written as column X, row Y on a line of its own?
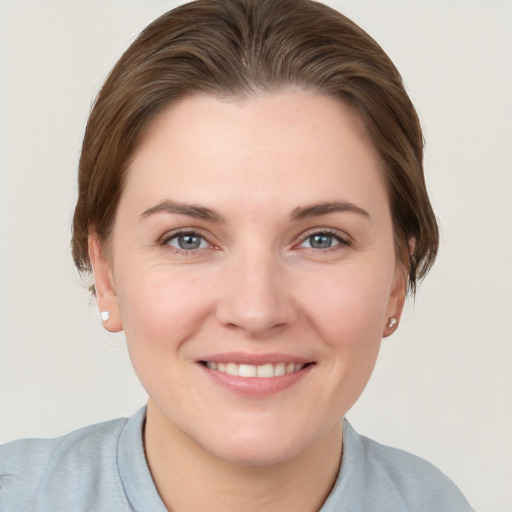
column 232, row 369
column 248, row 370
column 266, row 370
column 279, row 369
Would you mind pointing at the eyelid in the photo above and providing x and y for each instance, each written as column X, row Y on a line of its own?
column 341, row 236
column 169, row 235
column 329, row 231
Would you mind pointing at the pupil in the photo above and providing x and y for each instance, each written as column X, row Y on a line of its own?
column 321, row 241
column 189, row 241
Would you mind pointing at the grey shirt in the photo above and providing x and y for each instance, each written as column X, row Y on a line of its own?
column 103, row 468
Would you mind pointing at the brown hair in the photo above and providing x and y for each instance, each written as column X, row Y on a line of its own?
column 235, row 48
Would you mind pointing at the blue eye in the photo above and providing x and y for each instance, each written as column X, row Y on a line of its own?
column 321, row 241
column 187, row 241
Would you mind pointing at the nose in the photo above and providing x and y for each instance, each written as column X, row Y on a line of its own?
column 255, row 297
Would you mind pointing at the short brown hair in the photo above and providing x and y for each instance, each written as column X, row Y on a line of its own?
column 236, row 48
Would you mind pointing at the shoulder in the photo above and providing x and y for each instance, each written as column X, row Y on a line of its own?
column 36, row 471
column 412, row 479
column 375, row 477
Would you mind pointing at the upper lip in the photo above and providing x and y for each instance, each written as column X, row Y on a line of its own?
column 254, row 359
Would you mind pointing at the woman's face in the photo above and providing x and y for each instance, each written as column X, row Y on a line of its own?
column 252, row 268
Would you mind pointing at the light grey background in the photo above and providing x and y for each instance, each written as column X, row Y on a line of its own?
column 443, row 385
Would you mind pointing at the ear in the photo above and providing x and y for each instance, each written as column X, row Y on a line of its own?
column 398, row 291
column 106, row 295
column 396, row 301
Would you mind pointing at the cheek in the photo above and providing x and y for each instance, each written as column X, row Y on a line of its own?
column 162, row 315
column 349, row 317
column 160, row 310
column 349, row 306
column 343, row 318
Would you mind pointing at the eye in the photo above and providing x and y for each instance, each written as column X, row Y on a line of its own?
column 322, row 240
column 189, row 241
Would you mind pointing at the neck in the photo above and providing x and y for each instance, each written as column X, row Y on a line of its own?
column 189, row 479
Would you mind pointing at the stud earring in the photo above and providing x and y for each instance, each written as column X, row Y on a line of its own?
column 392, row 322
column 105, row 315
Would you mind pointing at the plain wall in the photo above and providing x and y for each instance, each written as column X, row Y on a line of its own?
column 443, row 384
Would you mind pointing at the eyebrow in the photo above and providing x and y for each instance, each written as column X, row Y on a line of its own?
column 315, row 210
column 300, row 213
column 190, row 210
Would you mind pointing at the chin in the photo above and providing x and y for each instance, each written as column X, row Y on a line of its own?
column 258, row 445
column 257, row 453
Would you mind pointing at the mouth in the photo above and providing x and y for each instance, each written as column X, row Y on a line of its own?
column 266, row 371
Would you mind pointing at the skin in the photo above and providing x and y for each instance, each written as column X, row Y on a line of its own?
column 256, row 285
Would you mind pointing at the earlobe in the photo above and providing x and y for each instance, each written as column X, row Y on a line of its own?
column 106, row 295
column 395, row 303
column 398, row 291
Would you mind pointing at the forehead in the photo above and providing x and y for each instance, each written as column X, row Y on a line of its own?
column 273, row 145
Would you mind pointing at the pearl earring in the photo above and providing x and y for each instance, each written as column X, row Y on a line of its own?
column 105, row 315
column 392, row 322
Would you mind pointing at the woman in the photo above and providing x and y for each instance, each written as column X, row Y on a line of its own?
column 253, row 209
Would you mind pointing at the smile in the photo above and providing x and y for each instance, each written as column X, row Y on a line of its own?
column 268, row 370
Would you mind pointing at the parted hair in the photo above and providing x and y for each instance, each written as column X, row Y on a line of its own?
column 238, row 48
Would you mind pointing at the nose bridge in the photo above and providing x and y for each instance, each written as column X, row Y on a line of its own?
column 254, row 297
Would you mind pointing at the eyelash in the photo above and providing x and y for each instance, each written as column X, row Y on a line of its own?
column 342, row 241
column 185, row 252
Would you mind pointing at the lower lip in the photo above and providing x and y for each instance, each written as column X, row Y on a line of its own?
column 256, row 386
